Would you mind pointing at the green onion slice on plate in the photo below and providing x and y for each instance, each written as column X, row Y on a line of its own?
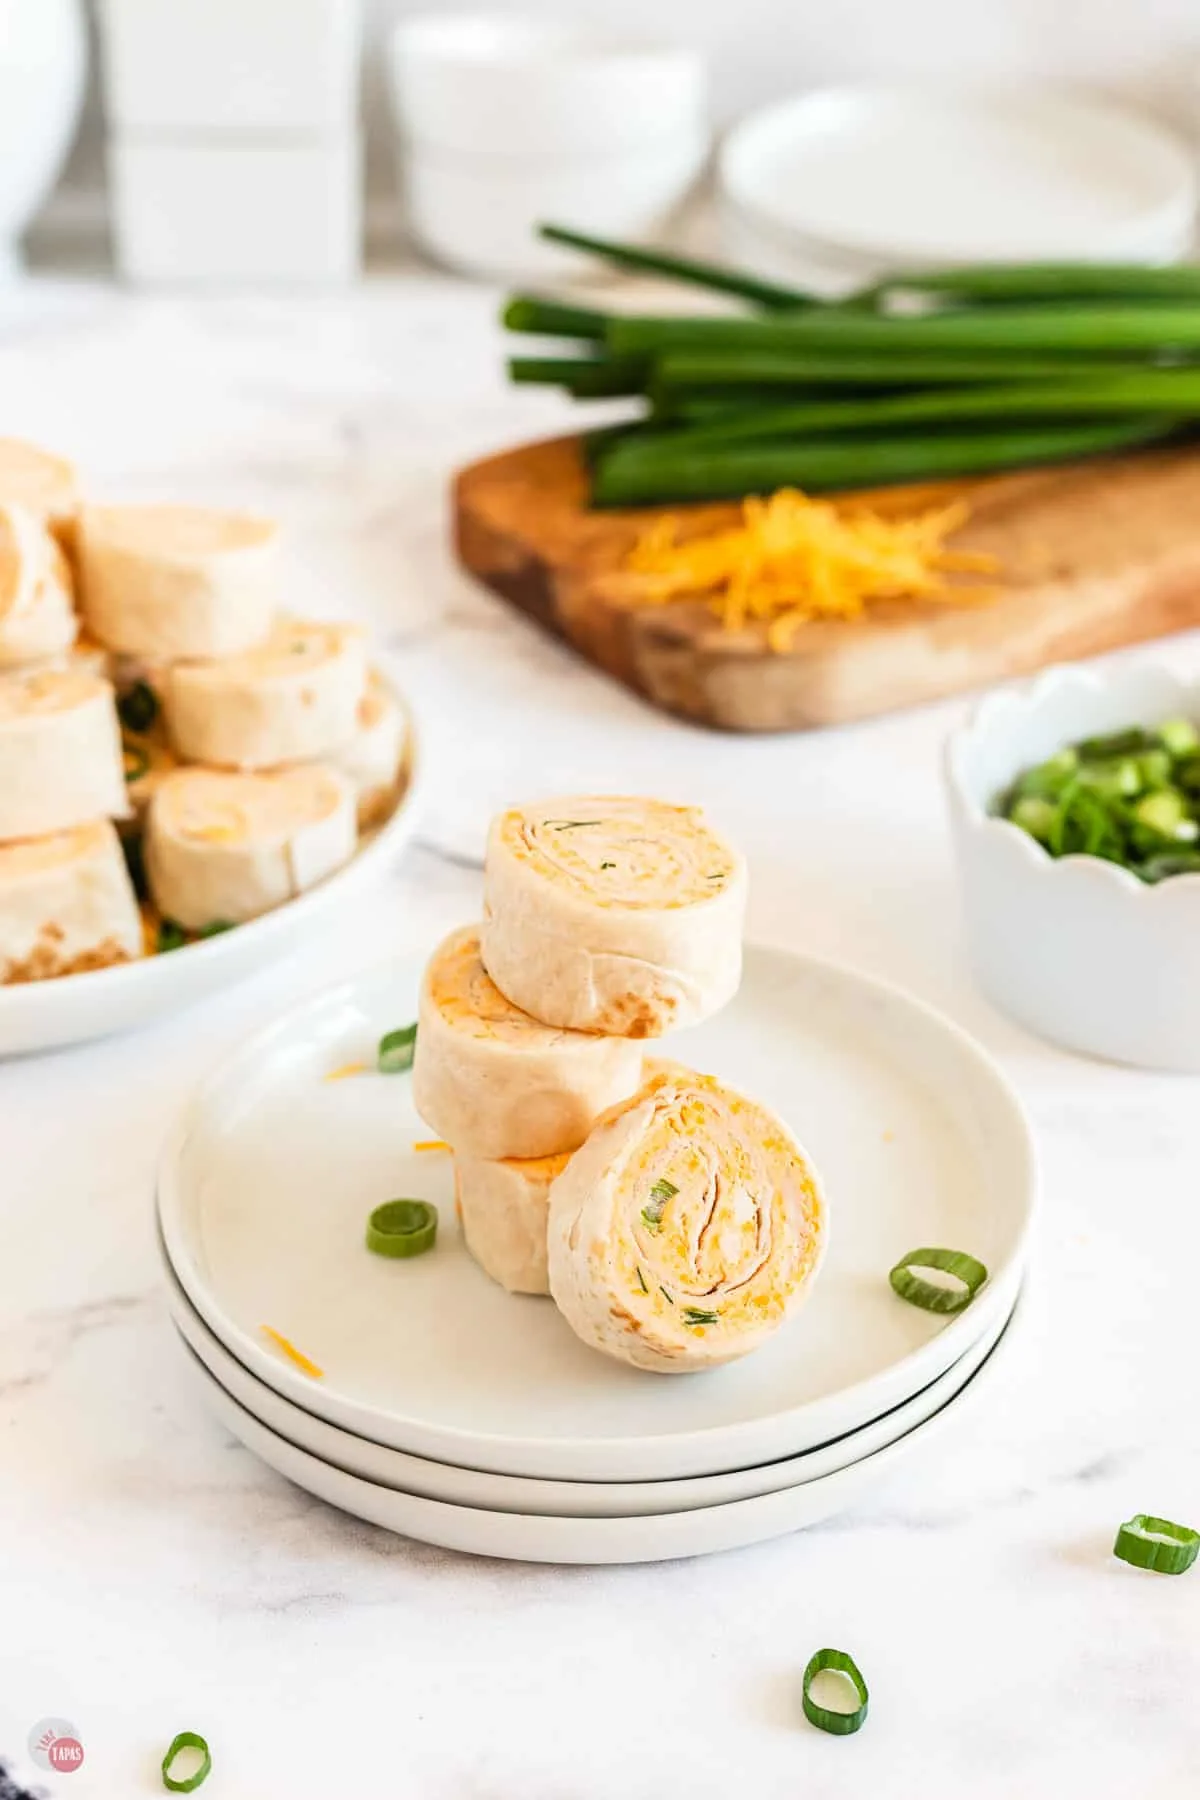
column 1158, row 1544
column 171, row 936
column 396, row 1050
column 186, row 1740
column 936, row 1296
column 402, row 1228
column 833, row 1719
column 138, row 708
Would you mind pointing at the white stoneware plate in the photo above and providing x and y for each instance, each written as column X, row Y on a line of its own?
column 270, row 1174
column 655, row 1537
column 912, row 176
column 40, row 1015
column 570, row 1499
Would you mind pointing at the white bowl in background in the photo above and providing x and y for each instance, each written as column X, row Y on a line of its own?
column 480, row 214
column 1076, row 949
column 484, row 84
column 43, row 65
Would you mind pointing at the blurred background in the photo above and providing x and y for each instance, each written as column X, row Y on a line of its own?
column 1146, row 51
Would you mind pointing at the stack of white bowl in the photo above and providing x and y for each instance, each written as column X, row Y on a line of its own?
column 421, row 1396
column 835, row 188
column 503, row 124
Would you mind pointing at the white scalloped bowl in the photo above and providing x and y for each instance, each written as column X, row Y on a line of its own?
column 1075, row 949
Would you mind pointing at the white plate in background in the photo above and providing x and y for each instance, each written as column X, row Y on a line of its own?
column 569, row 1499
column 657, row 1537
column 70, row 1009
column 271, row 1172
column 912, row 176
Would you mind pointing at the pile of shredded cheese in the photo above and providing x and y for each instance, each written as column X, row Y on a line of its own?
column 793, row 559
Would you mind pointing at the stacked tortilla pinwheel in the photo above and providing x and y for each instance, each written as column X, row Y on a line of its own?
column 675, row 1222
column 240, row 751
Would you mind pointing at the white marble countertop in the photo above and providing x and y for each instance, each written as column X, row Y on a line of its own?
column 154, row 1577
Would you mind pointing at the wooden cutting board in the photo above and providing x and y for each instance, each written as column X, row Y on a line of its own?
column 1092, row 556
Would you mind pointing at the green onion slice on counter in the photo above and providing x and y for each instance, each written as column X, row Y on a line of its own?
column 832, row 1719
column 396, row 1050
column 402, row 1228
column 186, row 1740
column 936, row 1296
column 138, row 708
column 1158, row 1544
column 171, row 936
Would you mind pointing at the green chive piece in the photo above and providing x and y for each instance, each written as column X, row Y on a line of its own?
column 1179, row 737
column 396, row 1050
column 569, row 824
column 825, row 1718
column 932, row 1296
column 1036, row 816
column 138, row 709
column 608, row 865
column 214, row 928
column 666, row 1296
column 1159, row 1544
column 136, row 762
column 700, row 1315
column 402, row 1228
column 641, row 1279
column 171, row 936
column 652, row 1212
column 186, row 1740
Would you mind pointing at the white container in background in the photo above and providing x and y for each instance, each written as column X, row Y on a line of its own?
column 480, row 214
column 230, row 65
column 43, row 59
column 1075, row 949
column 242, row 213
column 516, row 87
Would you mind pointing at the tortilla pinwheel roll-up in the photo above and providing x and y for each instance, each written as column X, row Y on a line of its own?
column 291, row 699
column 687, row 1228
column 494, row 1082
column 504, row 1208
column 46, row 485
column 222, row 847
column 616, row 915
column 60, row 753
column 66, row 905
column 163, row 582
column 373, row 757
column 37, row 613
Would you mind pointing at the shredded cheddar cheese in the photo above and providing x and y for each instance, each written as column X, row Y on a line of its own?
column 304, row 1363
column 346, row 1070
column 793, row 559
column 432, row 1144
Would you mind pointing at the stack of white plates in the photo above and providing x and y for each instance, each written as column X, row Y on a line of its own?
column 453, row 1412
column 842, row 185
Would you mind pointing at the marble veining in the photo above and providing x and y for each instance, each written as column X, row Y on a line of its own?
column 153, row 1576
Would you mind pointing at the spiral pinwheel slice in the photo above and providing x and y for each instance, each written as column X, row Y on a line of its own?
column 60, row 753
column 617, row 915
column 37, row 613
column 373, row 758
column 48, row 486
column 223, row 847
column 66, row 905
column 686, row 1230
column 292, row 699
column 164, row 582
column 496, row 1083
column 504, row 1208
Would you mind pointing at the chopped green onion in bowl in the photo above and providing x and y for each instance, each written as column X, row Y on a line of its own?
column 1131, row 798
